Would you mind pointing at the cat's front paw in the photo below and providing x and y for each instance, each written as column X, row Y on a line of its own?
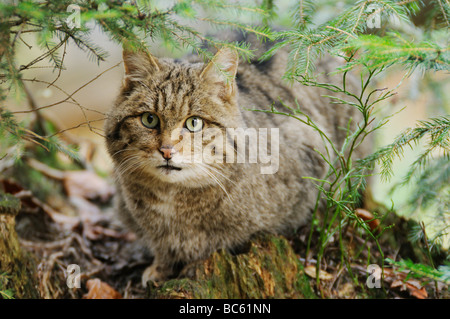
column 153, row 273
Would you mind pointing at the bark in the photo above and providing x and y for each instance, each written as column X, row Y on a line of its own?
column 270, row 269
column 17, row 268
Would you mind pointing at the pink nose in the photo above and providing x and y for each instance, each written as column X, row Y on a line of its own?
column 166, row 151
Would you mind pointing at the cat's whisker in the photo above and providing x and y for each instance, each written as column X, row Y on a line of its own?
column 204, row 169
column 218, row 172
column 131, row 168
column 125, row 161
column 120, row 166
column 127, row 164
column 121, row 171
column 129, row 148
column 119, row 151
column 139, row 166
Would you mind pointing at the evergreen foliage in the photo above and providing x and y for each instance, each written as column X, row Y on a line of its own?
column 57, row 23
column 419, row 270
column 373, row 37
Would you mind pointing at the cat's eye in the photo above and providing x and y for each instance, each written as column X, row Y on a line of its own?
column 194, row 124
column 149, row 120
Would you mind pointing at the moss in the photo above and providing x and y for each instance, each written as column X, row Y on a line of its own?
column 5, row 293
column 302, row 283
column 269, row 270
column 18, row 265
column 280, row 245
column 9, row 204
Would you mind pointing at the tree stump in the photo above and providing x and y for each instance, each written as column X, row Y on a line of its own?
column 17, row 268
column 270, row 269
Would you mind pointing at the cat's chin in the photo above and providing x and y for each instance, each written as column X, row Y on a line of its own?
column 167, row 169
column 169, row 174
column 183, row 176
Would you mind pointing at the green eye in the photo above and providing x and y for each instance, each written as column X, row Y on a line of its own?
column 194, row 124
column 150, row 120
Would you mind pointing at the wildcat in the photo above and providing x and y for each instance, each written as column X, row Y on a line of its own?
column 184, row 210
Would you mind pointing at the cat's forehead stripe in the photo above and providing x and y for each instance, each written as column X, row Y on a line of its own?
column 171, row 95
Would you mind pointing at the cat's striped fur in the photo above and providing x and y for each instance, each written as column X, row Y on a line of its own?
column 184, row 215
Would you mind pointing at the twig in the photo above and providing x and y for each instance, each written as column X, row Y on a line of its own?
column 46, row 170
column 23, row 41
column 73, row 93
column 43, row 56
column 17, row 35
column 33, row 106
column 91, row 128
column 60, row 68
column 342, row 31
column 47, row 272
column 422, row 226
column 70, row 96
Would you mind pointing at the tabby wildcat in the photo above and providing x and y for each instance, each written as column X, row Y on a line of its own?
column 184, row 210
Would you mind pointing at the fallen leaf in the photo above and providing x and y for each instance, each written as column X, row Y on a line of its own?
column 32, row 204
column 419, row 293
column 368, row 217
column 87, row 184
column 100, row 290
column 323, row 275
column 91, row 218
column 398, row 283
column 82, row 186
column 413, row 286
column 82, row 183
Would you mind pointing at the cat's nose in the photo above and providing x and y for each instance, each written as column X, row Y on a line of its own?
column 167, row 151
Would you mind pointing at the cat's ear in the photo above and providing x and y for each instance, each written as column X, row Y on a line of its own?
column 139, row 63
column 222, row 70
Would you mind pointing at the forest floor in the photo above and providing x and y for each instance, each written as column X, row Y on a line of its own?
column 67, row 218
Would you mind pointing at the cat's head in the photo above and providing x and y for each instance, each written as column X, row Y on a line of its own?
column 170, row 119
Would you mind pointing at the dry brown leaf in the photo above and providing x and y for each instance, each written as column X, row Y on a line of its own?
column 398, row 283
column 89, row 213
column 414, row 283
column 323, row 275
column 91, row 217
column 82, row 183
column 415, row 289
column 368, row 217
column 86, row 184
column 419, row 293
column 413, row 286
column 100, row 290
column 32, row 204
